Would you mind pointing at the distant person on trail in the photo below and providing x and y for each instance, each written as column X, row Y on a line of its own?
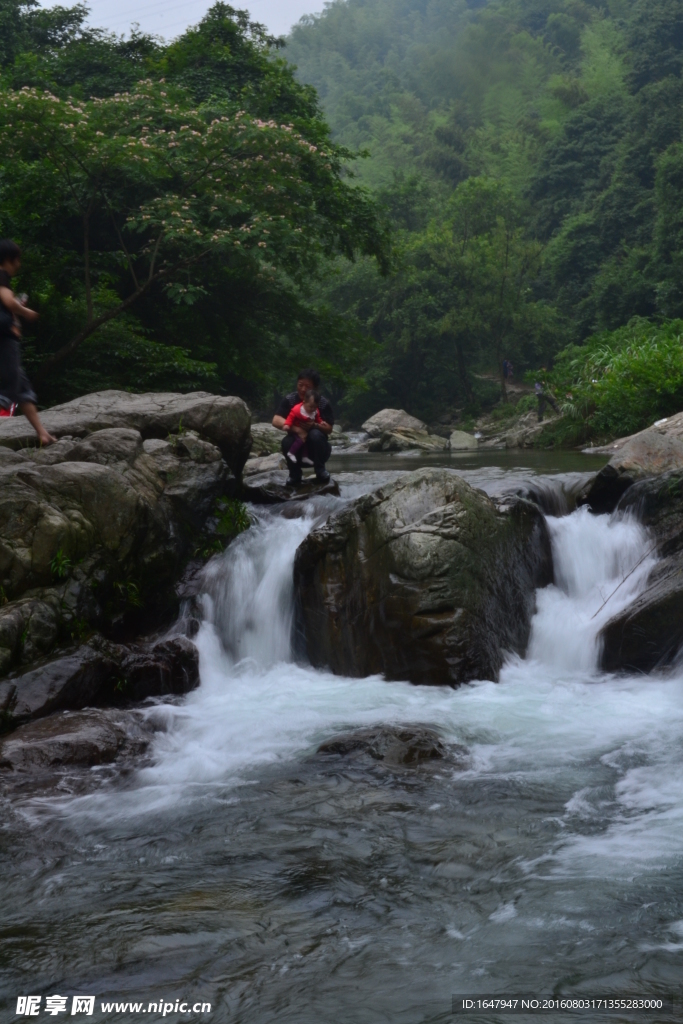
column 507, row 371
column 543, row 397
column 317, row 447
column 15, row 388
column 299, row 418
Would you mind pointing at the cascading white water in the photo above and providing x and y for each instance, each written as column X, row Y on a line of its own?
column 601, row 563
column 249, row 599
column 235, row 857
column 255, row 706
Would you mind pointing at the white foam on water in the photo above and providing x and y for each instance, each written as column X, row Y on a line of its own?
column 553, row 716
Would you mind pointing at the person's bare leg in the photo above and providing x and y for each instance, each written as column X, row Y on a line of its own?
column 31, row 413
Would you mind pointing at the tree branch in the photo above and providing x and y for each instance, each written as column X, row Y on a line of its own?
column 66, row 350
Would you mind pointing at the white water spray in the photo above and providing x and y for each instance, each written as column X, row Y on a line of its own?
column 553, row 715
column 601, row 564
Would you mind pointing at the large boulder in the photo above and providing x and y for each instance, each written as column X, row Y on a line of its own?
column 224, row 421
column 649, row 453
column 74, row 738
column 389, row 420
column 649, row 633
column 266, row 439
column 424, row 579
column 96, row 530
column 461, row 441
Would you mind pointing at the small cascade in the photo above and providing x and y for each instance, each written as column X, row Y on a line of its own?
column 601, row 564
column 249, row 596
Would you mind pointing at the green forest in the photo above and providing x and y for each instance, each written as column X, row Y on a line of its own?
column 528, row 154
column 403, row 192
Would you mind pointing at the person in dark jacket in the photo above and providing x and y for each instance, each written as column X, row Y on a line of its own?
column 317, row 443
column 15, row 387
column 544, row 397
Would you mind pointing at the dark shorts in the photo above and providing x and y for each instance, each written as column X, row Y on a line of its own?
column 14, row 384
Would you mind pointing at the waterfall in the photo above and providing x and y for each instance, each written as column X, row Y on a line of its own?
column 256, row 706
column 236, row 858
column 601, row 563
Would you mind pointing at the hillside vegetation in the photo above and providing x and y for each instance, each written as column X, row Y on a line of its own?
column 529, row 155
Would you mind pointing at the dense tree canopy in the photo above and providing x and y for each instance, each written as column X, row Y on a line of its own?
column 174, row 229
column 574, row 106
column 188, row 218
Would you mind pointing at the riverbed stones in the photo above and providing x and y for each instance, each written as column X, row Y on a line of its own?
column 98, row 673
column 403, row 745
column 404, row 439
column 222, row 420
column 389, row 420
column 271, row 488
column 82, row 738
column 424, row 580
column 649, row 453
column 649, row 633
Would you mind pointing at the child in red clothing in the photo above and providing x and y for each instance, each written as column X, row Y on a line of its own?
column 303, row 413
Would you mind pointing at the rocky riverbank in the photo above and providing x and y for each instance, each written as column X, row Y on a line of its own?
column 424, row 579
column 95, row 533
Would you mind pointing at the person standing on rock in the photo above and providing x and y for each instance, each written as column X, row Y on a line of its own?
column 317, row 444
column 15, row 387
column 544, row 397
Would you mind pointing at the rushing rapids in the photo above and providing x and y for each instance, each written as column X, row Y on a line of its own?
column 238, row 867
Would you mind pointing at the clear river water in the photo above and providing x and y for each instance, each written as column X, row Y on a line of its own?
column 234, row 865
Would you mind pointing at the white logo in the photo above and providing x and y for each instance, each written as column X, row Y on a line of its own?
column 83, row 1004
column 55, row 1005
column 28, row 1006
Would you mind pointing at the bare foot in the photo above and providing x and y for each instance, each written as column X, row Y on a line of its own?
column 46, row 438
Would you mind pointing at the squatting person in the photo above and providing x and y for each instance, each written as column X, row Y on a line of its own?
column 317, row 444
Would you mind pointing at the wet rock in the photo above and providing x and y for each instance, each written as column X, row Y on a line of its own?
column 265, row 464
column 271, row 488
column 339, row 440
column 100, row 673
column 388, row 420
column 224, row 421
column 266, row 439
column 657, row 502
column 74, row 738
column 649, row 633
column 408, row 745
column 167, row 666
column 649, row 453
column 424, row 580
column 461, row 441
column 93, row 529
column 671, row 426
column 404, row 439
column 527, row 432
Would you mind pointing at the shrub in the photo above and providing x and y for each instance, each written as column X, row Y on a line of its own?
column 621, row 381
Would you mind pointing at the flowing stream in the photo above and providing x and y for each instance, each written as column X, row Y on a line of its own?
column 237, row 866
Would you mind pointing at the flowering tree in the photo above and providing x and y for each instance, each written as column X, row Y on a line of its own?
column 143, row 190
